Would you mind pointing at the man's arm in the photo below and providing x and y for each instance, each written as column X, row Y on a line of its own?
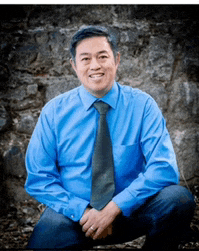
column 160, row 169
column 43, row 179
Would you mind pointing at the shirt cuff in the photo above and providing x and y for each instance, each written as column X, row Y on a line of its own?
column 76, row 209
column 125, row 201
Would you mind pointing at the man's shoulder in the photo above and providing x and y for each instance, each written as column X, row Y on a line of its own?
column 134, row 93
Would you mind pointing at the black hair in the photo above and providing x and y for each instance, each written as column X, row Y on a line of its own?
column 93, row 31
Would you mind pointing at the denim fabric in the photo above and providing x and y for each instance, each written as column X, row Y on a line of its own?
column 163, row 219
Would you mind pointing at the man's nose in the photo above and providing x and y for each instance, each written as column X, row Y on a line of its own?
column 94, row 65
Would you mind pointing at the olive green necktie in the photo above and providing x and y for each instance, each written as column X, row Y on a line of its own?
column 103, row 185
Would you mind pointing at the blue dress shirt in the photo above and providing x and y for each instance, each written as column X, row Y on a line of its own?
column 59, row 154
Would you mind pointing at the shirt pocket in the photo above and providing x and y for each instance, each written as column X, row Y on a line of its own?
column 128, row 160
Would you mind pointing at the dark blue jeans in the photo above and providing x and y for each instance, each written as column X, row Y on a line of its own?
column 163, row 219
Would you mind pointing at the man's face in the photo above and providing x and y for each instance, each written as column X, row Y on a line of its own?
column 95, row 65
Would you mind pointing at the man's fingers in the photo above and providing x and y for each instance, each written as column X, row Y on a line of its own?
column 95, row 224
column 86, row 226
column 97, row 234
column 83, row 220
column 92, row 228
column 102, row 233
column 90, row 232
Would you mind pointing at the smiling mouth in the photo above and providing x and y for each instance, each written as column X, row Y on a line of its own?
column 95, row 76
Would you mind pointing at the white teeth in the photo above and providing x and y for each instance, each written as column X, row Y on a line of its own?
column 96, row 75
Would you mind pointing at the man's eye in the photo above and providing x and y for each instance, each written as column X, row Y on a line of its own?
column 103, row 56
column 85, row 59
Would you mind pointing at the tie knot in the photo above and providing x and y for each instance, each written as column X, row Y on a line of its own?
column 101, row 107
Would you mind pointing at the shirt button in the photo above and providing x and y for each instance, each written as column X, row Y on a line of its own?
column 72, row 216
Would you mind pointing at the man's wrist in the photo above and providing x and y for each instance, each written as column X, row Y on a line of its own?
column 113, row 209
column 87, row 209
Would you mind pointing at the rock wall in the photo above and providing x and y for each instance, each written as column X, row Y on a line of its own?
column 159, row 54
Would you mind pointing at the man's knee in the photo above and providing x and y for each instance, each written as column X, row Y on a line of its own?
column 50, row 220
column 177, row 203
column 52, row 230
column 178, row 195
column 172, row 204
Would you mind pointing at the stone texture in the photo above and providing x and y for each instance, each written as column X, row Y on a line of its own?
column 185, row 140
column 159, row 48
column 26, row 124
column 14, row 162
column 5, row 119
column 161, row 58
column 184, row 100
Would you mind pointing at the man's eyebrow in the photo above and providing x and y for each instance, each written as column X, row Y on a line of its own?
column 84, row 53
column 99, row 52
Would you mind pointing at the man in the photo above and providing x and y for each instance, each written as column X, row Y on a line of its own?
column 142, row 191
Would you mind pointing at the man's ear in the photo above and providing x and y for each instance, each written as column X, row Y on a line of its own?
column 73, row 64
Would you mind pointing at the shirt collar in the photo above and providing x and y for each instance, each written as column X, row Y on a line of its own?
column 110, row 98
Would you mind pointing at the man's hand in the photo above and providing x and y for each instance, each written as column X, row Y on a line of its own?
column 98, row 224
